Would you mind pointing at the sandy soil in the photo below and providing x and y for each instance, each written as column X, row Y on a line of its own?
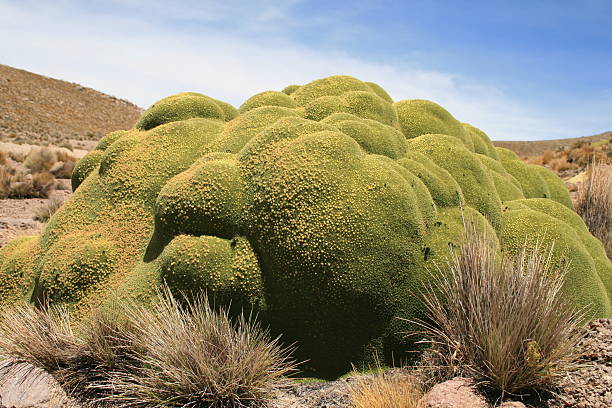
column 17, row 215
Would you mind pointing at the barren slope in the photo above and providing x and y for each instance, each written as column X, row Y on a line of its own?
column 39, row 110
column 537, row 147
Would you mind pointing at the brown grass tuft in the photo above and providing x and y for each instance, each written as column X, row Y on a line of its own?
column 56, row 161
column 503, row 322
column 594, row 203
column 384, row 391
column 161, row 355
column 45, row 211
column 43, row 338
column 40, row 159
column 5, row 182
column 17, row 156
column 42, row 185
column 196, row 356
column 16, row 184
column 561, row 164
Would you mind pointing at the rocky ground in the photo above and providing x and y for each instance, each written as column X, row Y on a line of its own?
column 592, row 385
column 17, row 215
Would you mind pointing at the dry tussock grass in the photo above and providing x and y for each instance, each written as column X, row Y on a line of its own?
column 17, row 184
column 56, row 161
column 36, row 178
column 43, row 338
column 501, row 321
column 387, row 392
column 594, row 203
column 194, row 356
column 165, row 355
column 45, row 211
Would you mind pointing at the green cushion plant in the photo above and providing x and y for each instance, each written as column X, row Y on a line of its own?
column 322, row 207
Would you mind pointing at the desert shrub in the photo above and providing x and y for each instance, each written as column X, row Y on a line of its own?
column 576, row 156
column 547, row 156
column 42, row 184
column 586, row 153
column 195, row 356
column 17, row 184
column 57, row 161
column 67, row 144
column 561, row 164
column 63, row 155
column 17, row 156
column 20, row 185
column 387, row 391
column 40, row 159
column 543, row 159
column 594, row 203
column 45, row 211
column 63, row 169
column 504, row 322
column 5, row 182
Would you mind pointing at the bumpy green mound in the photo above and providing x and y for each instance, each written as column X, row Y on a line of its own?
column 322, row 207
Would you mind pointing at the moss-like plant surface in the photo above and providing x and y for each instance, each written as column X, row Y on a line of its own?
column 321, row 207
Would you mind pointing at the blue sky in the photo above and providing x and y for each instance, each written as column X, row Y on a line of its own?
column 519, row 70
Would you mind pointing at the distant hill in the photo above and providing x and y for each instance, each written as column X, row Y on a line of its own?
column 536, row 148
column 39, row 110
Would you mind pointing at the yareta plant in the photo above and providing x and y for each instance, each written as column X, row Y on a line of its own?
column 321, row 207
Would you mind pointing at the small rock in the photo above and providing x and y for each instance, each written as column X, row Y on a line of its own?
column 456, row 393
column 24, row 386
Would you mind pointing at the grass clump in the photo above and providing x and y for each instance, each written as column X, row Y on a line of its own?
column 45, row 211
column 387, row 391
column 164, row 355
column 56, row 161
column 36, row 178
column 502, row 321
column 17, row 184
column 594, row 203
column 44, row 338
column 194, row 356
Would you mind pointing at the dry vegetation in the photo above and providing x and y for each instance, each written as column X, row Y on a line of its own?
column 594, row 203
column 576, row 157
column 46, row 210
column 33, row 175
column 501, row 321
column 538, row 147
column 39, row 110
column 386, row 391
column 167, row 355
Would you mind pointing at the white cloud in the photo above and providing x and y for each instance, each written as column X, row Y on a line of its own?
column 143, row 61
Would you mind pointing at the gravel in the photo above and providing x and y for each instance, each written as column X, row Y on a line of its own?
column 592, row 385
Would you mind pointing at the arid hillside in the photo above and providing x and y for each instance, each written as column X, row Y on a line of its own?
column 39, row 110
column 537, row 147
